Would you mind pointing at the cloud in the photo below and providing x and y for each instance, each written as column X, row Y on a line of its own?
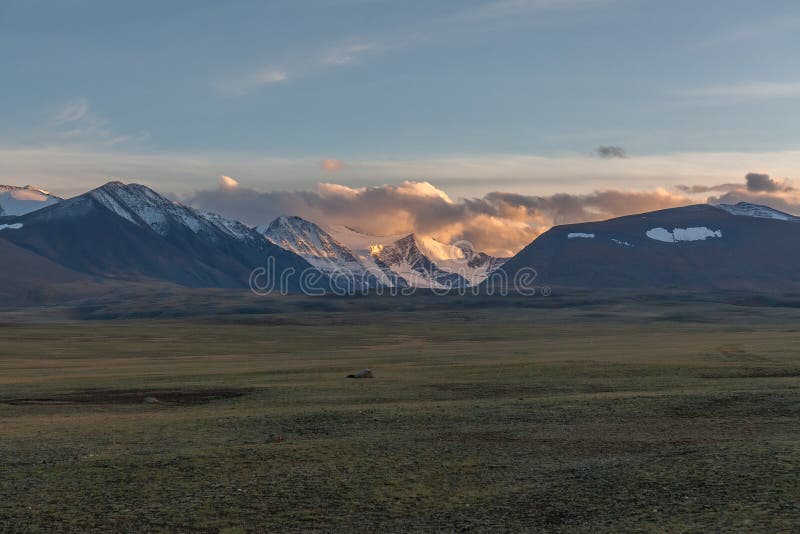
column 72, row 111
column 762, row 183
column 610, row 152
column 698, row 189
column 756, row 30
column 513, row 8
column 299, row 65
column 757, row 188
column 72, row 168
column 743, row 91
column 76, row 123
column 784, row 201
column 355, row 49
column 498, row 223
column 243, row 84
column 332, row 165
column 226, row 182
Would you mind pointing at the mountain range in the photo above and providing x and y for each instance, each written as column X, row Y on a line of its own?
column 381, row 261
column 129, row 232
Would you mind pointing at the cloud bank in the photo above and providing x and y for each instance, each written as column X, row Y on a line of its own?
column 499, row 223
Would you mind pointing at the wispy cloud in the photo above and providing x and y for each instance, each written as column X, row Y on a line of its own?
column 72, row 111
column 299, row 65
column 756, row 30
column 75, row 122
column 509, row 8
column 743, row 91
column 355, row 49
column 240, row 85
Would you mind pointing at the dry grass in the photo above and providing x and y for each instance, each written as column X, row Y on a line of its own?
column 479, row 420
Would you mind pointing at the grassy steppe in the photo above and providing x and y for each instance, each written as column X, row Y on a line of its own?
column 640, row 419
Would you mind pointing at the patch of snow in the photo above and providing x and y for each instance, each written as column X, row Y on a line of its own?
column 16, row 201
column 579, row 235
column 699, row 233
column 623, row 243
column 111, row 203
column 15, row 226
column 745, row 209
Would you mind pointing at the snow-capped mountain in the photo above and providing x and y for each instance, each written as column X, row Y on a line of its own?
column 132, row 232
column 389, row 261
column 694, row 247
column 745, row 209
column 318, row 248
column 144, row 207
column 15, row 201
column 419, row 261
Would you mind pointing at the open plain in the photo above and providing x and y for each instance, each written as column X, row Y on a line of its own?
column 632, row 417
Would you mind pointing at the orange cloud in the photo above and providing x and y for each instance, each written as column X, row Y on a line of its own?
column 226, row 182
column 332, row 165
column 498, row 223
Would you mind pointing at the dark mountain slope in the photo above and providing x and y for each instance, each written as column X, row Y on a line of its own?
column 696, row 247
column 130, row 232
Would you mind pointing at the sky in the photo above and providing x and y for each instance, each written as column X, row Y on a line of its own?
column 472, row 97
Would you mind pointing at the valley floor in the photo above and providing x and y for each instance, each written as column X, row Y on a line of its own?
column 631, row 418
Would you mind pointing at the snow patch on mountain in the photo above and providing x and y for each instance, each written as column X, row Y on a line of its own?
column 579, row 235
column 700, row 233
column 16, row 201
column 620, row 242
column 746, row 209
column 15, row 226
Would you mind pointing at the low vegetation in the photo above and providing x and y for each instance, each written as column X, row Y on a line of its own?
column 634, row 418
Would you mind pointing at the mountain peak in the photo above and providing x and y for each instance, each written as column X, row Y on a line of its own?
column 291, row 220
column 117, row 186
column 318, row 247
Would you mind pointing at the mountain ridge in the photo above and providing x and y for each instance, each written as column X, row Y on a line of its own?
column 404, row 260
column 132, row 232
column 698, row 246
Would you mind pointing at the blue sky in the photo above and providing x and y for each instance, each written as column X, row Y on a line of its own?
column 474, row 95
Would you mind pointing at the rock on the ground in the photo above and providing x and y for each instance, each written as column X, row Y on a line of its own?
column 364, row 373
